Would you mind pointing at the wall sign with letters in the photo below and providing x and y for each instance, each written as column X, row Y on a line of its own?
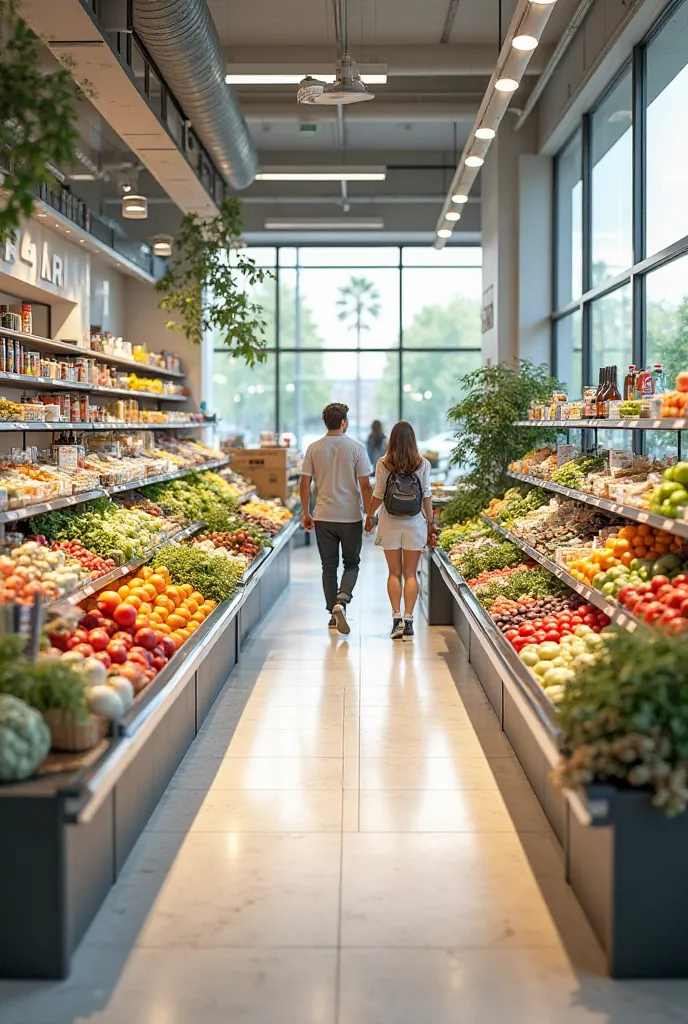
column 44, row 263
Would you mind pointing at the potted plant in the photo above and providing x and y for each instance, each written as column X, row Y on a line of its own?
column 37, row 119
column 207, row 284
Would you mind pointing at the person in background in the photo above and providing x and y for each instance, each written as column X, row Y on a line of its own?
column 341, row 471
column 402, row 488
column 377, row 443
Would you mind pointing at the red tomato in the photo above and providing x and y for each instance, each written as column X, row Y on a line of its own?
column 525, row 629
column 553, row 635
column 589, row 619
column 540, row 636
column 520, row 642
column 657, row 582
column 104, row 658
column 510, row 634
column 678, row 625
column 564, row 617
column 566, row 631
column 117, row 652
column 576, row 620
column 98, row 639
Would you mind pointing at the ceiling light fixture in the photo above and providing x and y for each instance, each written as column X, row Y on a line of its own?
column 452, row 215
column 444, row 233
column 474, row 161
column 543, row 3
column 524, row 42
column 323, row 224
column 297, row 78
column 322, row 173
column 85, row 176
column 506, row 85
column 162, row 245
column 459, row 198
column 485, row 133
column 126, row 188
column 134, row 207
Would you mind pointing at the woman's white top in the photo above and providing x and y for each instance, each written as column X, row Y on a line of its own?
column 408, row 533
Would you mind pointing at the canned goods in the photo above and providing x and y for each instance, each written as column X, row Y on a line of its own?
column 10, row 355
column 3, row 355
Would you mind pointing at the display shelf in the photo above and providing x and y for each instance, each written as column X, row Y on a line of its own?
column 639, row 515
column 609, row 607
column 25, row 426
column 17, row 514
column 595, row 424
column 103, row 582
column 258, row 565
column 23, row 380
column 247, row 496
column 64, row 348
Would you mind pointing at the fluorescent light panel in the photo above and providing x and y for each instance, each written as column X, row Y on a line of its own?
column 323, row 224
column 320, row 173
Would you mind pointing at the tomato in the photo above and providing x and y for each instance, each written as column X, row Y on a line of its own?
column 684, row 607
column 554, row 635
column 589, row 619
column 511, row 634
column 526, row 629
column 584, row 609
column 564, row 617
column 576, row 620
column 678, row 625
column 520, row 642
column 565, row 631
column 540, row 636
column 657, row 582
column 653, row 611
column 537, row 623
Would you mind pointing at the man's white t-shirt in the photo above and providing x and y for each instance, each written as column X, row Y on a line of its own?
column 336, row 463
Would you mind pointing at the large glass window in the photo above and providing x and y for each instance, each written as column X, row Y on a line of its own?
column 612, row 342
column 568, row 339
column 355, row 325
column 612, row 183
column 568, row 183
column 666, row 317
column 667, row 142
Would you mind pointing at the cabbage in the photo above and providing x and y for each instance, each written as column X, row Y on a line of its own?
column 24, row 739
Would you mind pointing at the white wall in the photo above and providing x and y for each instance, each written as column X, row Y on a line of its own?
column 107, row 297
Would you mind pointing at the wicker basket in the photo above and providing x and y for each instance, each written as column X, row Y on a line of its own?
column 70, row 735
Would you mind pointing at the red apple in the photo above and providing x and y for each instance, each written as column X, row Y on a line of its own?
column 159, row 663
column 123, row 637
column 134, row 673
column 92, row 619
column 108, row 600
column 168, row 647
column 85, row 650
column 104, row 658
column 98, row 639
column 79, row 636
column 145, row 637
column 125, row 616
column 59, row 638
column 140, row 654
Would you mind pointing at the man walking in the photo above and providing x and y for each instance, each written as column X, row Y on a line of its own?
column 341, row 470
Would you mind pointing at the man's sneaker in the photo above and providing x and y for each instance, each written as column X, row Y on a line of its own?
column 332, row 624
column 408, row 627
column 339, row 616
column 397, row 628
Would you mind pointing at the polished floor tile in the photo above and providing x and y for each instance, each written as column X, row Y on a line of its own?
column 349, row 840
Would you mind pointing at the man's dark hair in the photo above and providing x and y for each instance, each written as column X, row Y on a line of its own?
column 334, row 415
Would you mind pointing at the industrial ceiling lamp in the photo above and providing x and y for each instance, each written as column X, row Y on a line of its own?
column 134, row 207
column 162, row 245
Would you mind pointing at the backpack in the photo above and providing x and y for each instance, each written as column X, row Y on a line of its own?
column 403, row 494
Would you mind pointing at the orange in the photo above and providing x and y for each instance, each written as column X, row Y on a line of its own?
column 186, row 589
column 175, row 621
column 644, row 530
column 123, row 591
column 183, row 633
column 174, row 595
column 198, row 617
column 191, row 605
column 146, row 572
column 640, row 552
column 150, row 591
column 162, row 627
column 139, row 592
column 162, row 611
column 155, row 619
column 157, row 581
column 195, row 596
column 135, row 582
column 145, row 608
column 136, row 602
column 163, row 601
column 192, row 626
column 627, row 558
column 206, row 608
column 178, row 640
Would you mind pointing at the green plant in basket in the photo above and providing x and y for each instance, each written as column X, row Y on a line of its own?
column 624, row 718
column 495, row 397
column 45, row 685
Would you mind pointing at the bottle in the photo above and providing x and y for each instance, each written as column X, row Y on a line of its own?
column 658, row 378
column 629, row 384
column 644, row 385
column 601, row 391
column 613, row 395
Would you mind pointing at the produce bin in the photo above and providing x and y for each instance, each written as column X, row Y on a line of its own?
column 64, row 838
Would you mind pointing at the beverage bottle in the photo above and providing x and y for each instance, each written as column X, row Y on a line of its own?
column 629, row 384
column 601, row 393
column 659, row 378
column 645, row 384
column 613, row 394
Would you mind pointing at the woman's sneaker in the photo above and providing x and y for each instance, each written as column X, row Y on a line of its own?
column 332, row 624
column 408, row 627
column 397, row 628
column 339, row 616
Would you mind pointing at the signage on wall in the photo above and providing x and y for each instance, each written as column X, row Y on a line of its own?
column 44, row 264
column 488, row 309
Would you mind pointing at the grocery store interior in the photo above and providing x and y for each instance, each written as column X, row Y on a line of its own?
column 225, row 796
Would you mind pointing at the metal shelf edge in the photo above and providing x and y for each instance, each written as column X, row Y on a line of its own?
column 595, row 424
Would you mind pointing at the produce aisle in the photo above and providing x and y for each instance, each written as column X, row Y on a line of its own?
column 349, row 840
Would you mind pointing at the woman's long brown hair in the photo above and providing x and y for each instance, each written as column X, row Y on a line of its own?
column 402, row 454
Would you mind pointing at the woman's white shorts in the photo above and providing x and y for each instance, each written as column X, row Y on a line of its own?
column 408, row 533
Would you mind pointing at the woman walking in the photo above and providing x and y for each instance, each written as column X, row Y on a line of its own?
column 402, row 488
column 376, row 444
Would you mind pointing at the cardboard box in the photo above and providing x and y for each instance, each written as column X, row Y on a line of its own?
column 266, row 468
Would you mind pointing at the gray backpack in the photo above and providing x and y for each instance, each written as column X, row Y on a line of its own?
column 403, row 494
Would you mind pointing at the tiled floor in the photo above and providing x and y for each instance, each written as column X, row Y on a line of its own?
column 350, row 840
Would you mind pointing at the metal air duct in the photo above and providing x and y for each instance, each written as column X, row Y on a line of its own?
column 182, row 40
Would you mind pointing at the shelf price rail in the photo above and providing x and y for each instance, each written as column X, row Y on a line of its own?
column 639, row 515
column 17, row 514
column 595, row 424
column 610, row 608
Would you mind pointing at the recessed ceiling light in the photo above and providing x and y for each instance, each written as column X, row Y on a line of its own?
column 485, row 133
column 41, row 215
column 452, row 215
column 444, row 233
column 323, row 224
column 506, row 85
column 524, row 42
column 67, row 231
column 460, row 198
column 474, row 161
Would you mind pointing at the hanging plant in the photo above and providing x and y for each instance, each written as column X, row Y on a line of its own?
column 208, row 292
column 37, row 119
column 487, row 440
